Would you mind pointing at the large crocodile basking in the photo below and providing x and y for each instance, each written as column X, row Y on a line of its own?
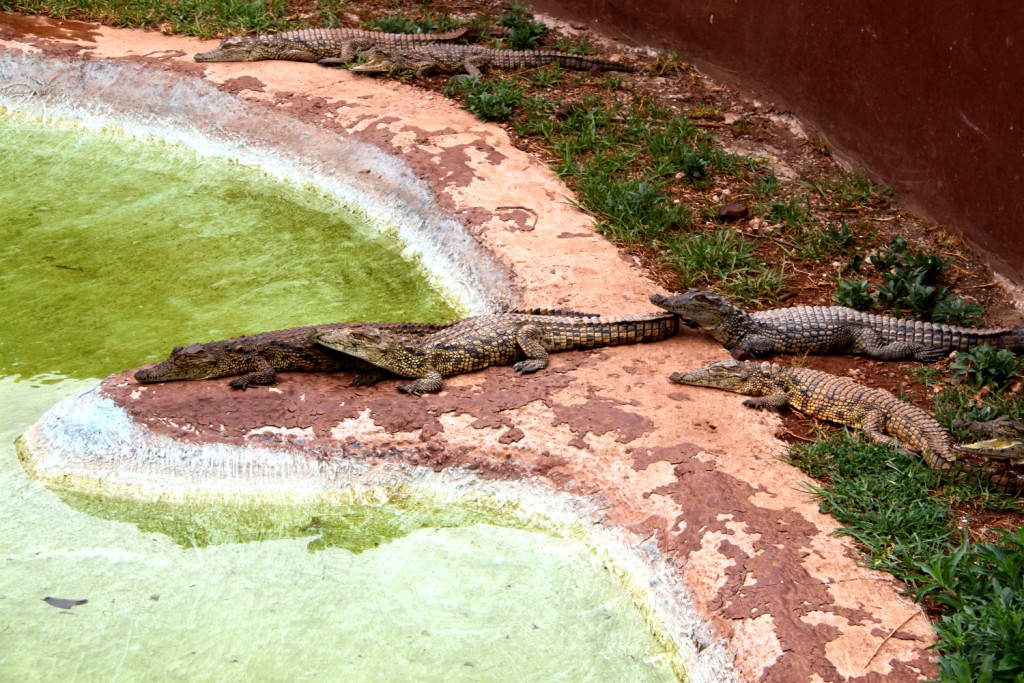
column 259, row 357
column 829, row 329
column 325, row 46
column 471, row 59
column 880, row 415
column 499, row 339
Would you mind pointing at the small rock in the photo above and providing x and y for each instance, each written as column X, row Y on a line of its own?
column 733, row 211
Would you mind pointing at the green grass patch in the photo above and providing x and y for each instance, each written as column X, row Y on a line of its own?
column 492, row 98
column 524, row 32
column 726, row 260
column 202, row 18
column 851, row 191
column 886, row 500
column 630, row 210
column 399, row 23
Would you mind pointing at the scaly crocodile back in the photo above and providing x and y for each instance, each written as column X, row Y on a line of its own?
column 803, row 329
column 843, row 401
column 289, row 350
column 325, row 45
column 455, row 58
column 330, row 38
column 481, row 341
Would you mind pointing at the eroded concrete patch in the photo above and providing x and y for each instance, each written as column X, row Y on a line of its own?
column 689, row 471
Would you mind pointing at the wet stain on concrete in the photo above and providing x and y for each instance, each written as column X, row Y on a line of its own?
column 27, row 28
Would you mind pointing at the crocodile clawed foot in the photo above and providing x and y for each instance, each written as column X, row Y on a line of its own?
column 931, row 355
column 531, row 365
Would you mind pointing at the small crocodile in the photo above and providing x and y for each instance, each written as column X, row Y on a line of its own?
column 325, row 46
column 880, row 415
column 259, row 357
column 479, row 342
column 829, row 329
column 470, row 59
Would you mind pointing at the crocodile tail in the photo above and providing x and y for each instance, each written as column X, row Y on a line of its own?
column 577, row 62
column 554, row 311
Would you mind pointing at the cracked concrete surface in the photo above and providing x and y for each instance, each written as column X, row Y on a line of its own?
column 687, row 469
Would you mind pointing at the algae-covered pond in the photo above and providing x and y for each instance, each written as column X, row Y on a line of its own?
column 113, row 252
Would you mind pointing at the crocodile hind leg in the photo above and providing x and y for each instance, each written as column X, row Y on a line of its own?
column 349, row 50
column 869, row 342
column 872, row 424
column 528, row 338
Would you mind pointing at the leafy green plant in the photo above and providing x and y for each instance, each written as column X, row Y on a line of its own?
column 492, row 99
column 524, row 32
column 908, row 286
column 986, row 365
column 855, row 294
column 955, row 311
column 982, row 588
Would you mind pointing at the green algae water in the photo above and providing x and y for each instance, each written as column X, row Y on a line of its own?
column 148, row 246
column 99, row 274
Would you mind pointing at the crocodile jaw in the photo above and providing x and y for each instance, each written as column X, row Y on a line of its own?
column 373, row 65
column 730, row 375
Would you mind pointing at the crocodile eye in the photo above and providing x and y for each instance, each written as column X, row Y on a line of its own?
column 176, row 349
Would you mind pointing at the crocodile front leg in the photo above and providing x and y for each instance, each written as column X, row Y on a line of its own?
column 528, row 338
column 430, row 383
column 753, row 345
column 264, row 374
column 775, row 401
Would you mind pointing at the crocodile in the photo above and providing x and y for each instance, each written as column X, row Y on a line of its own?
column 881, row 416
column 479, row 342
column 829, row 329
column 470, row 59
column 325, row 46
column 259, row 357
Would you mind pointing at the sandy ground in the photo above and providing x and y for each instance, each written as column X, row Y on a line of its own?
column 689, row 468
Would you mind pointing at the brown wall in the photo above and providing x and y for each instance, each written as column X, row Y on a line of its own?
column 926, row 94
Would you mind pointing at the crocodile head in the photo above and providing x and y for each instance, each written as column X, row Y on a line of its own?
column 996, row 449
column 730, row 375
column 718, row 316
column 707, row 309
column 200, row 361
column 244, row 49
column 375, row 62
column 378, row 347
